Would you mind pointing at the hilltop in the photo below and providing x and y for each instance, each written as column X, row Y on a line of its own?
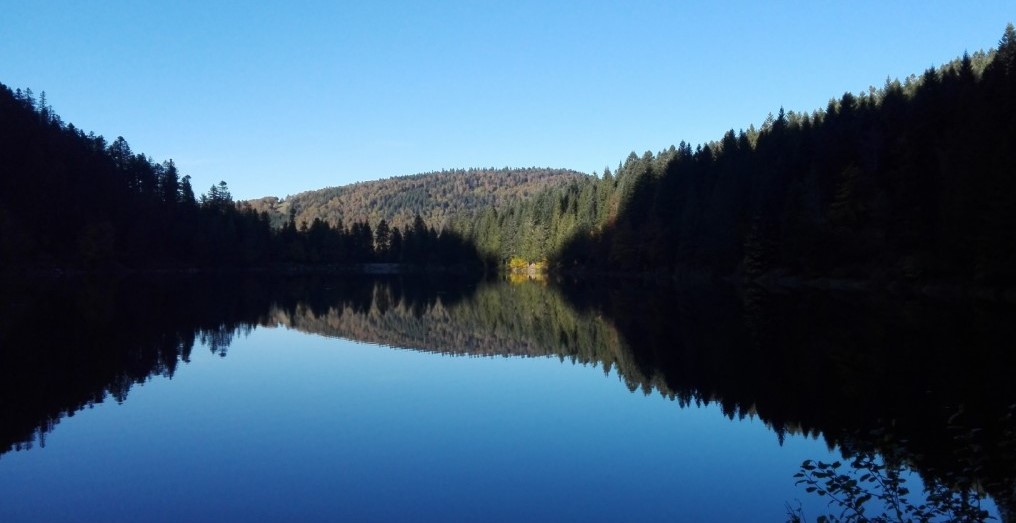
column 435, row 196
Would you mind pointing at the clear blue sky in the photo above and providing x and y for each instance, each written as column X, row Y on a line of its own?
column 278, row 99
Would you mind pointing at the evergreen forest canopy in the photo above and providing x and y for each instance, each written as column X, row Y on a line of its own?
column 910, row 182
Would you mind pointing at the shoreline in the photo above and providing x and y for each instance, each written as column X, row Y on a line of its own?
column 773, row 281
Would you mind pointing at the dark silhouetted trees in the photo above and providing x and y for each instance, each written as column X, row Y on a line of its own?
column 70, row 200
column 910, row 182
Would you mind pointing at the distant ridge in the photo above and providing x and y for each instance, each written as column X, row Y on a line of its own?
column 435, row 196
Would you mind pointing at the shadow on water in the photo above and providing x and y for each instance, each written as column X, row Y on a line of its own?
column 921, row 385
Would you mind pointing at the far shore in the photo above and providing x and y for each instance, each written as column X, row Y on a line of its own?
column 774, row 281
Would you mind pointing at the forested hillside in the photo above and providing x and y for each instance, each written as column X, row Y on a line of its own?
column 912, row 181
column 436, row 196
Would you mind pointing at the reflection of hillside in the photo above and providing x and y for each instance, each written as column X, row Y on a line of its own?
column 524, row 319
column 931, row 381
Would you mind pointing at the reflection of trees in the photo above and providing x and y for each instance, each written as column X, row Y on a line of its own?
column 929, row 382
column 839, row 366
column 65, row 346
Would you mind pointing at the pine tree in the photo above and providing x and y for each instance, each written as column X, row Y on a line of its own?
column 170, row 183
column 382, row 240
column 187, row 192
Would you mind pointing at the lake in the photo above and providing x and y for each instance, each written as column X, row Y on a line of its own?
column 446, row 399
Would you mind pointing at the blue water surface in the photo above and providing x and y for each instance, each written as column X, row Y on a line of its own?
column 296, row 427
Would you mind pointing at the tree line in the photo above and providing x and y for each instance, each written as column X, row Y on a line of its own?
column 417, row 244
column 908, row 182
column 911, row 181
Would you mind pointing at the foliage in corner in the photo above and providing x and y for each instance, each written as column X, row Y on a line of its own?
column 873, row 489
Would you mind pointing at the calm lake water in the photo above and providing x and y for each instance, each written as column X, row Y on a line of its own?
column 408, row 400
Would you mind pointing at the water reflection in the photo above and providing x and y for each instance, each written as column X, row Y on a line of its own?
column 926, row 383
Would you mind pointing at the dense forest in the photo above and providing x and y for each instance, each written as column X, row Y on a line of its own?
column 72, row 200
column 437, row 197
column 912, row 181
